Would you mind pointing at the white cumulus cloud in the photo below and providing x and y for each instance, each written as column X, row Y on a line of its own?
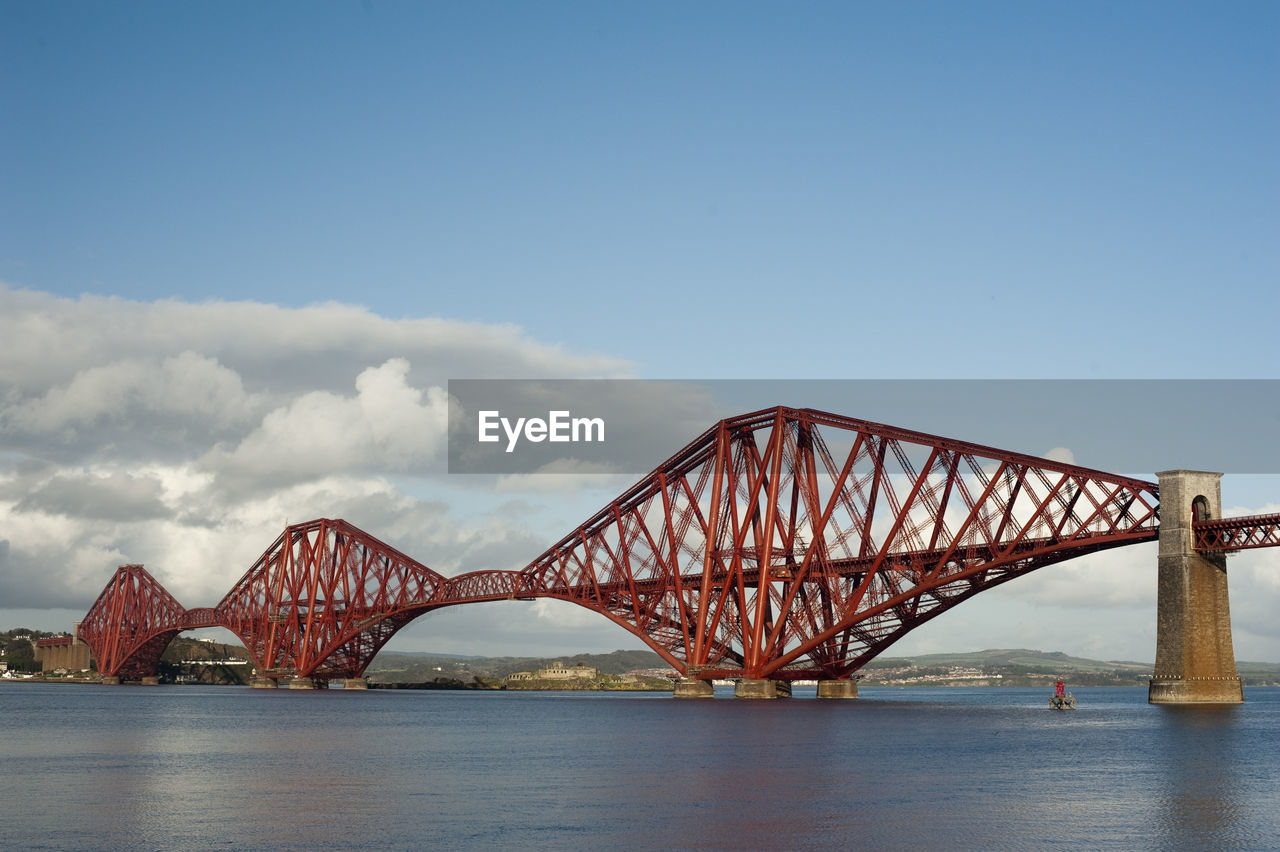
column 186, row 435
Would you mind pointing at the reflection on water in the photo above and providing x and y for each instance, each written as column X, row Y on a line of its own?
column 1197, row 759
column 200, row 767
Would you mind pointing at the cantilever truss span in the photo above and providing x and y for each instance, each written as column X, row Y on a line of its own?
column 324, row 598
column 321, row 601
column 792, row 543
column 785, row 543
column 131, row 623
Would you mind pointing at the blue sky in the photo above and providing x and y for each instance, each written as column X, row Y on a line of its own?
column 709, row 190
column 718, row 189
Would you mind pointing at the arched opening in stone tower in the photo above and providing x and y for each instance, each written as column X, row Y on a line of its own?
column 1199, row 509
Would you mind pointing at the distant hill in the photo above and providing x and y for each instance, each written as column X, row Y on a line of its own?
column 990, row 667
column 994, row 666
column 1022, row 667
column 189, row 660
column 1003, row 667
column 410, row 667
column 1016, row 657
column 391, row 655
column 1258, row 674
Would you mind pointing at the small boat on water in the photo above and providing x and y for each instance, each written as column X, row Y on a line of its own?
column 1062, row 700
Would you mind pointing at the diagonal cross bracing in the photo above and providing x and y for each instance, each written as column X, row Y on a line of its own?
column 792, row 543
column 784, row 543
column 1242, row 533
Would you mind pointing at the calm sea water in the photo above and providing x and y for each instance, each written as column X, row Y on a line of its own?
column 232, row 768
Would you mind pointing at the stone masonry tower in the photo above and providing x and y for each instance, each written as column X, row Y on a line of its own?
column 1195, row 662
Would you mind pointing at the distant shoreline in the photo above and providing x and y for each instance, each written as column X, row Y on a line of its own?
column 50, row 680
column 430, row 686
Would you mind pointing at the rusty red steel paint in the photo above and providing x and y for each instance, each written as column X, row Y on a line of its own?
column 784, row 544
column 1241, row 533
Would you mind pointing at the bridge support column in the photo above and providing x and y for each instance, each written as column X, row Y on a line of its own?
column 753, row 688
column 843, row 688
column 305, row 683
column 355, row 683
column 1195, row 661
column 260, row 682
column 110, row 680
column 692, row 687
column 151, row 680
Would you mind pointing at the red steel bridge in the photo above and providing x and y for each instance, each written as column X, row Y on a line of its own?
column 778, row 545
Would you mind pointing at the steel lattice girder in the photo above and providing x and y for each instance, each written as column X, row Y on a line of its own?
column 131, row 623
column 785, row 543
column 319, row 602
column 1243, row 533
column 792, row 543
column 324, row 598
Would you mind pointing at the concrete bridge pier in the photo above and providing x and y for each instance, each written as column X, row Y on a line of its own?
column 754, row 688
column 111, row 680
column 1195, row 660
column 355, row 683
column 692, row 687
column 150, row 680
column 260, row 682
column 842, row 688
column 308, row 683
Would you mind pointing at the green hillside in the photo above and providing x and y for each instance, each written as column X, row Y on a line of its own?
column 210, row 662
column 189, row 660
column 1023, row 667
column 990, row 667
column 401, row 666
column 1011, row 658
